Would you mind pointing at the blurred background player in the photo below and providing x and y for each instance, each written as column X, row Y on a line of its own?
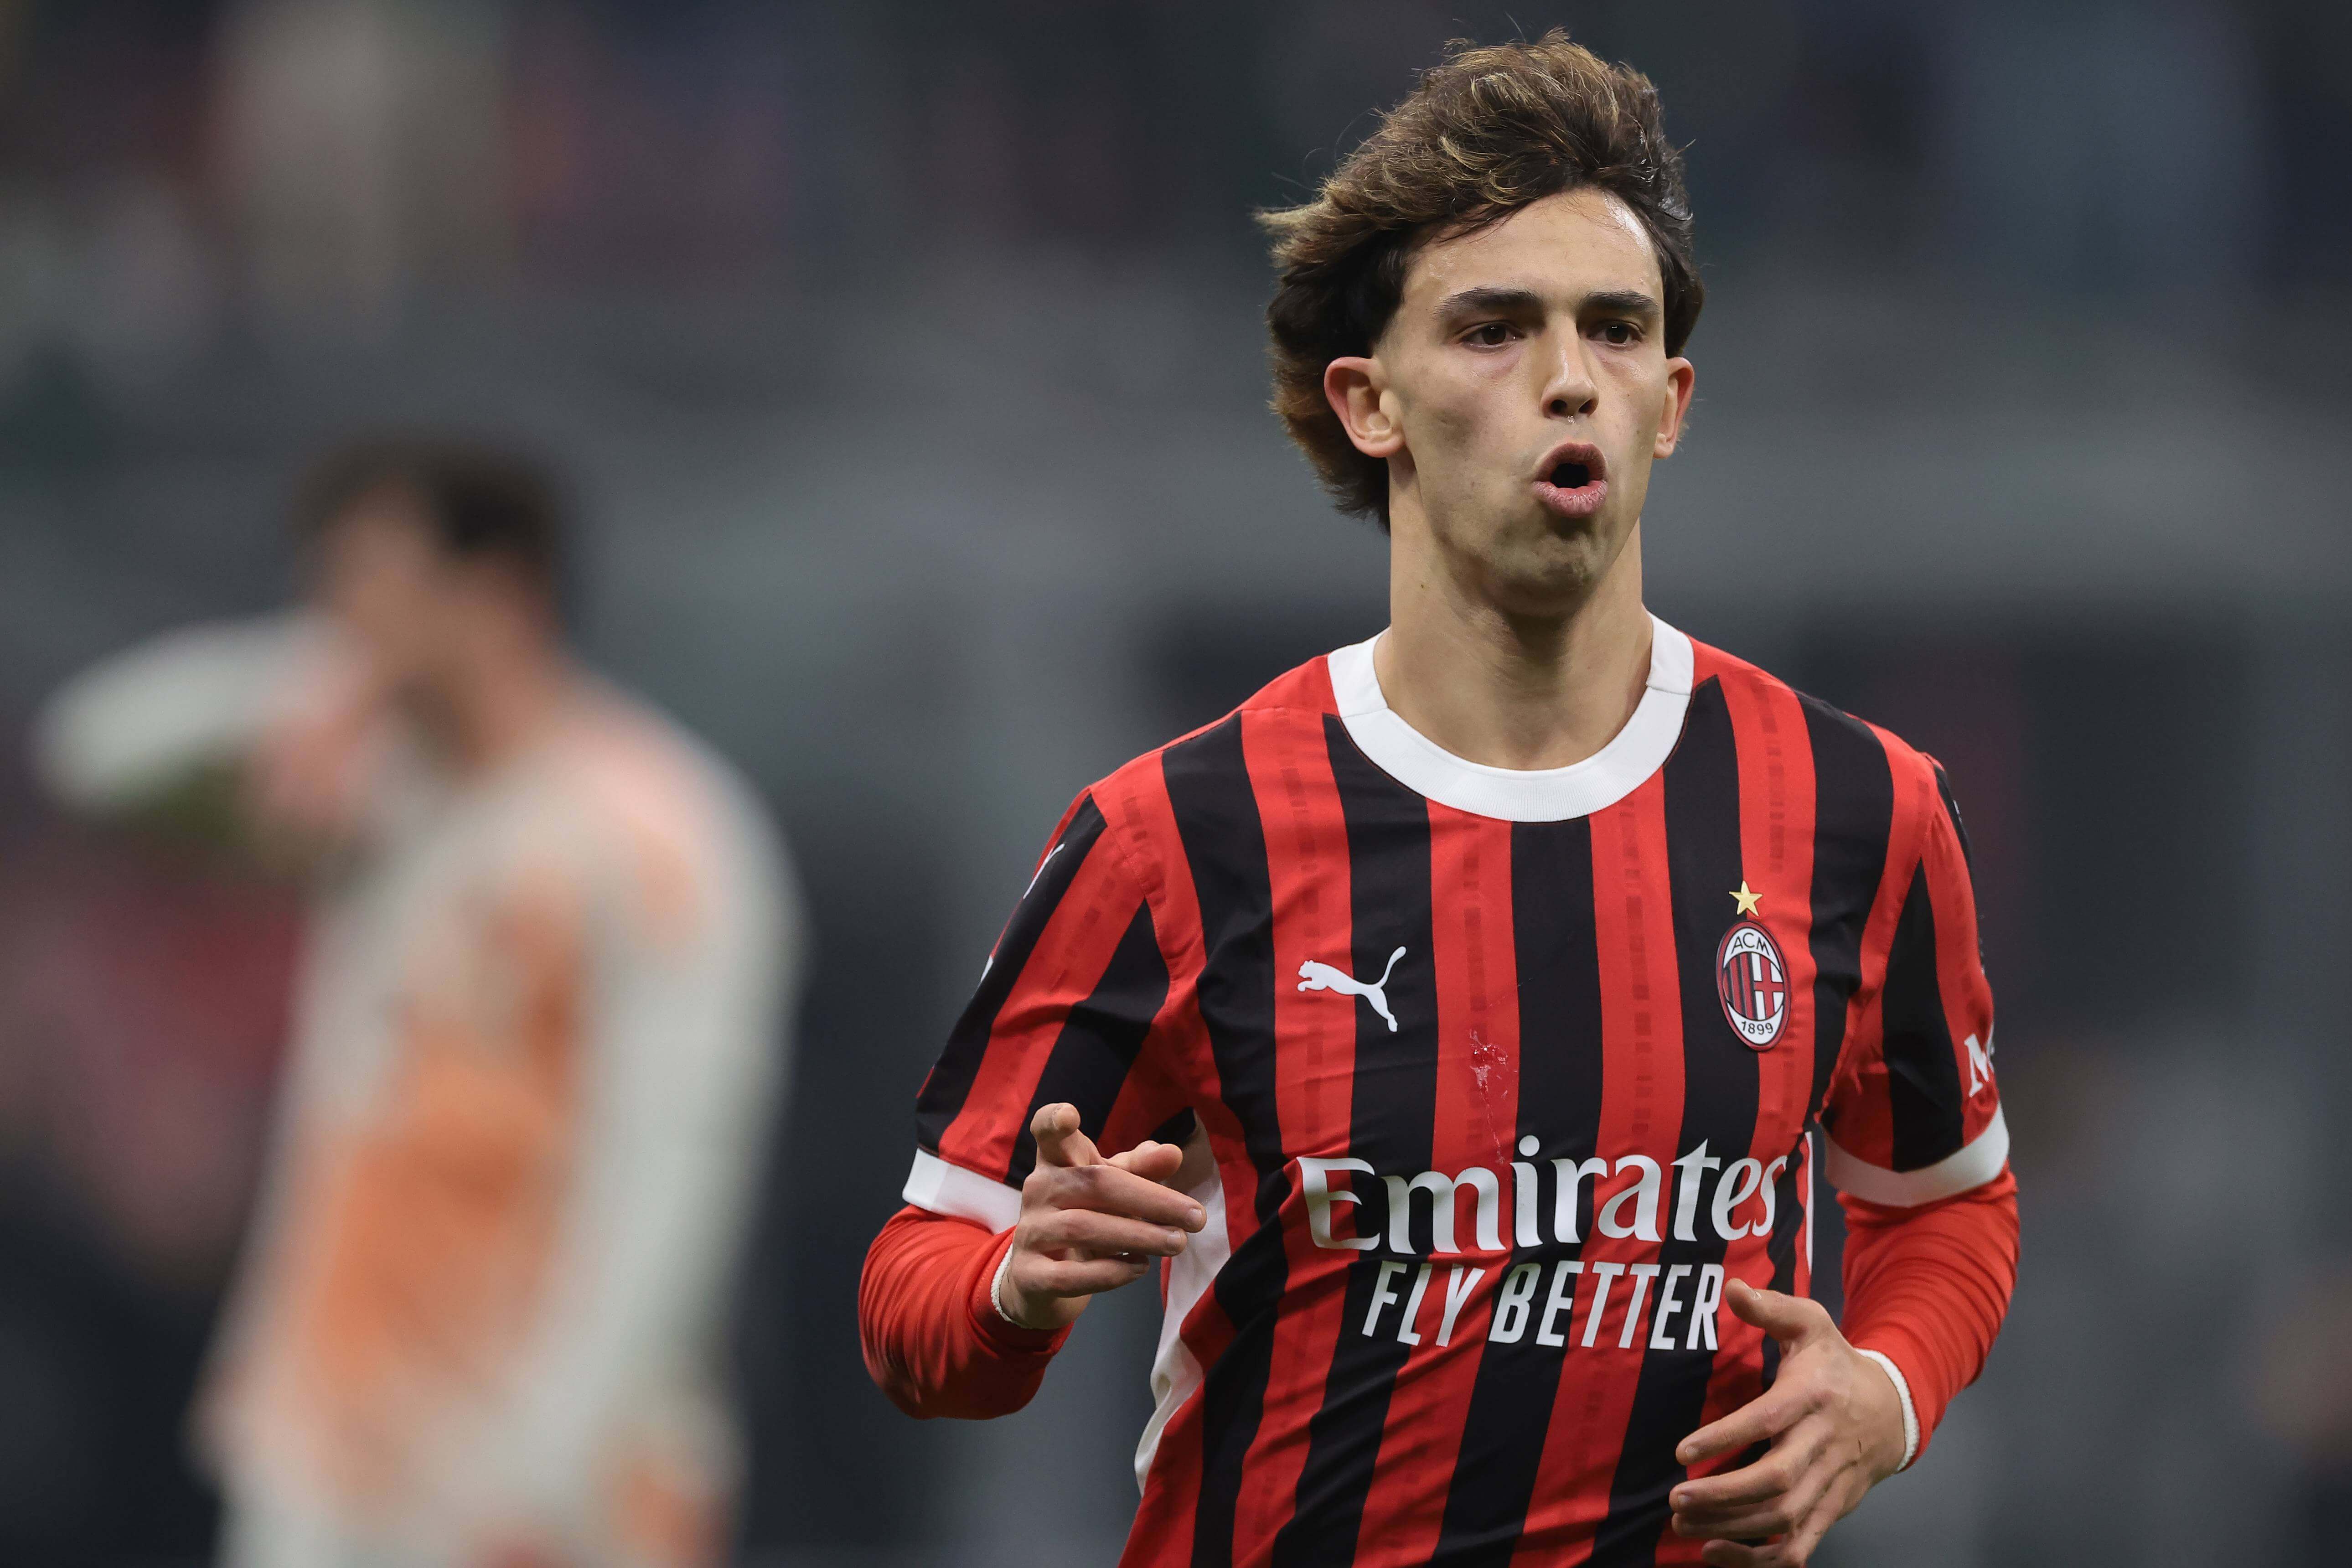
column 538, row 1038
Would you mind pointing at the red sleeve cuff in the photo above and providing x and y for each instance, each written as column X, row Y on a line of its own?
column 933, row 1339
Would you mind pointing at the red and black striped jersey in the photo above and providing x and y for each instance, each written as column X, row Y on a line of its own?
column 1503, row 1074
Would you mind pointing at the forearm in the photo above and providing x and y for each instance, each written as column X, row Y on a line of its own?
column 134, row 726
column 934, row 1340
column 1928, row 1287
column 686, row 1072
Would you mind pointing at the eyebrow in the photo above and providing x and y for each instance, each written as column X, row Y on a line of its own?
column 1622, row 302
column 1501, row 301
column 1513, row 302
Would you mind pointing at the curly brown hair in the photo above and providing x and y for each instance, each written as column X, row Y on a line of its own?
column 1488, row 130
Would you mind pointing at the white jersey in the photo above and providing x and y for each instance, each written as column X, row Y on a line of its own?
column 538, row 1042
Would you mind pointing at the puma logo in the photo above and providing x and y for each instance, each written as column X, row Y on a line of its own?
column 1314, row 976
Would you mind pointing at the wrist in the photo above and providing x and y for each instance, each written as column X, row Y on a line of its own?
column 1903, row 1396
column 994, row 1301
column 996, row 1295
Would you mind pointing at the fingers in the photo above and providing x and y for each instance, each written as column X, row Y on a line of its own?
column 1798, row 1547
column 1086, row 1233
column 1783, row 1529
column 1738, row 1554
column 1152, row 1161
column 1038, row 1276
column 1789, row 1319
column 1792, row 1550
column 1059, row 1142
column 1106, row 1188
column 1768, row 1477
column 1759, row 1420
column 1782, row 1514
column 1061, row 1146
column 1792, row 1321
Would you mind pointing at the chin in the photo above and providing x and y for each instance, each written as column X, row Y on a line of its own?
column 1558, row 569
column 1545, row 583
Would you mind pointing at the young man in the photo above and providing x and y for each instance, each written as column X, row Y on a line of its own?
column 1453, row 1014
column 538, row 1042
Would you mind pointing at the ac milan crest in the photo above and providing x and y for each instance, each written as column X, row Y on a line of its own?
column 1754, row 984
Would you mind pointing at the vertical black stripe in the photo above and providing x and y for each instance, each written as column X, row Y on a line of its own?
column 1720, row 1100
column 1096, row 1047
column 1923, row 1075
column 1952, row 810
column 1395, row 1098
column 1854, row 814
column 1781, row 1247
column 950, row 1083
column 1558, row 955
column 1854, row 818
column 1967, row 852
column 1225, row 847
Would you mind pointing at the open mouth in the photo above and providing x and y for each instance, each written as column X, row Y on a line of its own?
column 1576, row 481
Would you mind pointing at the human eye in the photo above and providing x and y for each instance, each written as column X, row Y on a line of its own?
column 1489, row 334
column 1620, row 334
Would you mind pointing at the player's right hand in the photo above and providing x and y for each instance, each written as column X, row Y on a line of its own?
column 1089, row 1225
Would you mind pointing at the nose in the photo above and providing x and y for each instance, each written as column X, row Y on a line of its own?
column 1569, row 389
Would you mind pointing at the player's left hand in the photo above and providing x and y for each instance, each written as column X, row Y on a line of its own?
column 1835, row 1426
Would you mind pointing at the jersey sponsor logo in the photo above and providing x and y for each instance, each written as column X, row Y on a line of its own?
column 1315, row 976
column 1578, row 1298
column 1561, row 1301
column 1632, row 1196
column 1754, row 984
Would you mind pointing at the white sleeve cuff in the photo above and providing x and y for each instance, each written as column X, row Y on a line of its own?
column 1902, row 1392
column 943, row 1188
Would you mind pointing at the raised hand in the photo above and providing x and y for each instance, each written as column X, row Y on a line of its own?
column 1089, row 1225
column 1835, row 1426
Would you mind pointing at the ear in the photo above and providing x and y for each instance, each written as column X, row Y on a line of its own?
column 1680, row 377
column 1358, row 390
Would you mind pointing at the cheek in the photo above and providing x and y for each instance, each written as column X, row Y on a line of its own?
column 390, row 616
column 1642, row 395
column 1463, row 419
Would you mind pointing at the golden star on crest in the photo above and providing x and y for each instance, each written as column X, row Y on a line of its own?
column 1746, row 900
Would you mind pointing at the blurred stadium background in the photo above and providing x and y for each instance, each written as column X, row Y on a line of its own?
column 906, row 355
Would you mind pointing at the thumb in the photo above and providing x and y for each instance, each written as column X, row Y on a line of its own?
column 1059, row 1142
column 1788, row 1319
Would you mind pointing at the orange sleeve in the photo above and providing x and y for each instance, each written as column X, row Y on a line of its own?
column 1928, row 1287
column 934, row 1340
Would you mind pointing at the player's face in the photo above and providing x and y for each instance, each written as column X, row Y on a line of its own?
column 385, row 582
column 1526, row 388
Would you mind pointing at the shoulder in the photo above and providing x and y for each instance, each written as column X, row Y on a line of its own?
column 1298, row 698
column 665, row 824
column 1860, row 771
column 1201, row 779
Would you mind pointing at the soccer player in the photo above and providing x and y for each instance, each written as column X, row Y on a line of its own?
column 1449, row 1021
column 538, row 1042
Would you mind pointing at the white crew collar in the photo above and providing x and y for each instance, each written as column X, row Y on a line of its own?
column 1519, row 794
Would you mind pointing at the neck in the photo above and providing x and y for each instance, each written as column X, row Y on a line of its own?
column 499, row 706
column 1507, row 689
